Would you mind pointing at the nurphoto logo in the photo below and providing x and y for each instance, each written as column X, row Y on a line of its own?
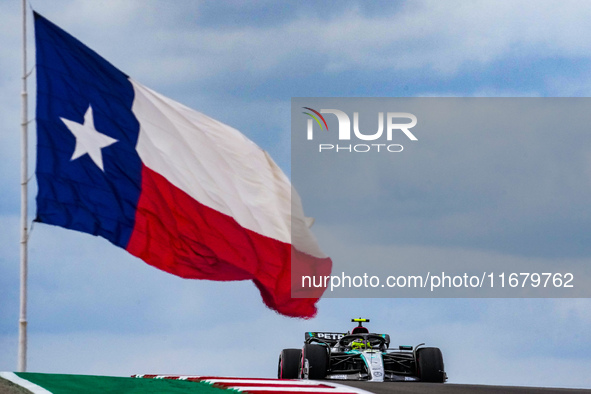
column 393, row 125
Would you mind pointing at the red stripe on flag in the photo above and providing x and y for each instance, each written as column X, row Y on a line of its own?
column 179, row 235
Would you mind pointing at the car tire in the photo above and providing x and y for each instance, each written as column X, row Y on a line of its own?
column 317, row 357
column 289, row 364
column 430, row 365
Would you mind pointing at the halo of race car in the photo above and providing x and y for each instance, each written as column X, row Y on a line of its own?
column 360, row 355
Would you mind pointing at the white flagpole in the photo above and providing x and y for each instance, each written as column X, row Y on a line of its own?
column 22, row 332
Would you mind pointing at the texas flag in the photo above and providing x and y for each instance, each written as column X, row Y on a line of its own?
column 183, row 192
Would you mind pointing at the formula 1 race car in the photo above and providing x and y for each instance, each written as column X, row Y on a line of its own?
column 360, row 355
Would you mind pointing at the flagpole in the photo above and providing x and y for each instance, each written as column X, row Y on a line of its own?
column 22, row 332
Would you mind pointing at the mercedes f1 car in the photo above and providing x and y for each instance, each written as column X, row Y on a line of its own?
column 360, row 355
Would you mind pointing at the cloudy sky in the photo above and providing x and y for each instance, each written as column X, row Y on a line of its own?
column 93, row 309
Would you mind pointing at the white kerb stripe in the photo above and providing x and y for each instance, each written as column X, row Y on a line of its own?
column 294, row 389
column 218, row 166
column 335, row 387
column 264, row 381
column 32, row 387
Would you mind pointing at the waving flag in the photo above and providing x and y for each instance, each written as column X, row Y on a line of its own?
column 182, row 191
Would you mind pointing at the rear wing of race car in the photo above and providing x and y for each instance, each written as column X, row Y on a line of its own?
column 327, row 337
column 332, row 338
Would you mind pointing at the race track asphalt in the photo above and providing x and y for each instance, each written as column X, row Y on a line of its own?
column 7, row 387
column 446, row 388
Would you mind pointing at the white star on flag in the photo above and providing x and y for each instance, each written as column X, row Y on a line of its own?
column 88, row 139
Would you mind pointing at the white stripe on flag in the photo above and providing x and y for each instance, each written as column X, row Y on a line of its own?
column 219, row 167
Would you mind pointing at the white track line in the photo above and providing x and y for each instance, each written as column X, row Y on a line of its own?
column 32, row 387
column 343, row 386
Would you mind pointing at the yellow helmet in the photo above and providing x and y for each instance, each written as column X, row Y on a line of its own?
column 359, row 344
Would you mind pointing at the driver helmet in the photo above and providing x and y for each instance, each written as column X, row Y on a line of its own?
column 358, row 344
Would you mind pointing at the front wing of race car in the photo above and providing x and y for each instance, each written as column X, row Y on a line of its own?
column 372, row 365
